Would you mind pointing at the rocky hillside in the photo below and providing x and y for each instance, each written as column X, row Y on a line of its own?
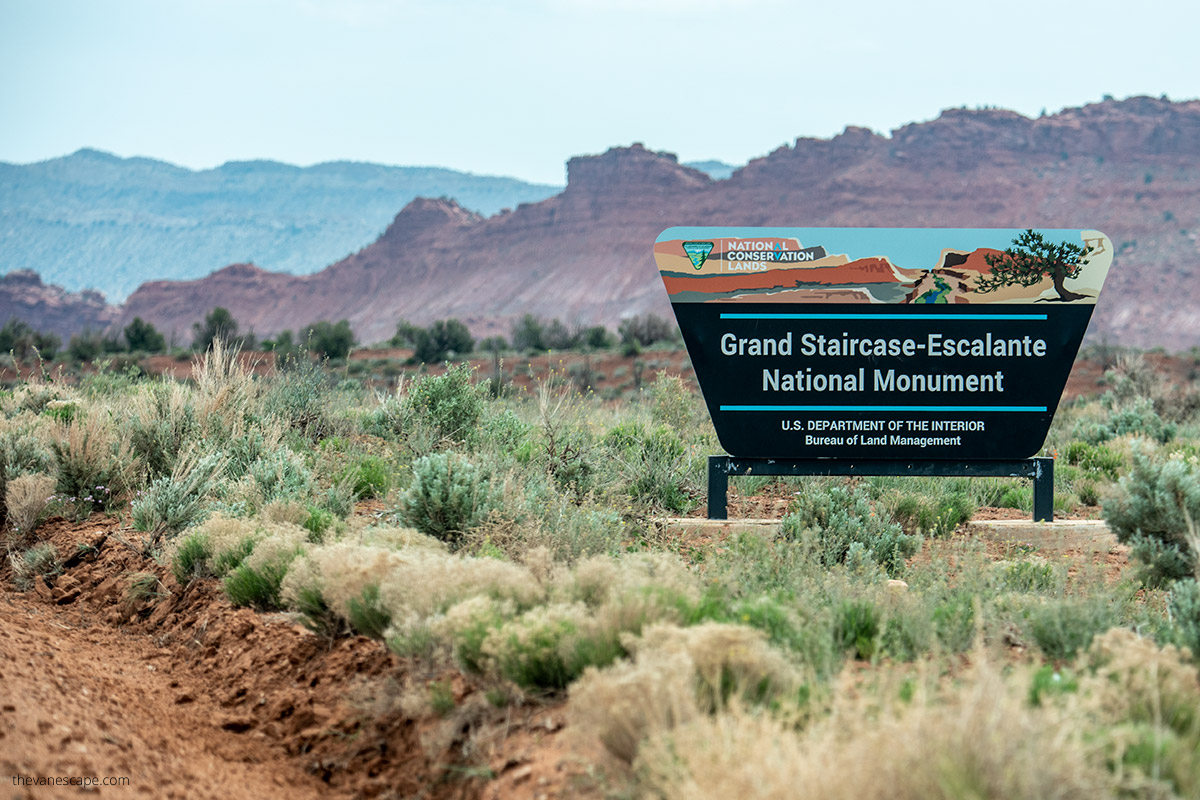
column 1130, row 168
column 93, row 220
column 52, row 309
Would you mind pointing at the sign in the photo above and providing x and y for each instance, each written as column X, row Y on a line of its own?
column 889, row 343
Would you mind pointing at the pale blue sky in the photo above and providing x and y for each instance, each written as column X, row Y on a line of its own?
column 517, row 87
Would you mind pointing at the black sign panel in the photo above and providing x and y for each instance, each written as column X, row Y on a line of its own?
column 803, row 358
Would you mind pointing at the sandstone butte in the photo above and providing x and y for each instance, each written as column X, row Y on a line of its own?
column 1130, row 168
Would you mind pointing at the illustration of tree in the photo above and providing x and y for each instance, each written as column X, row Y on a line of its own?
column 1030, row 259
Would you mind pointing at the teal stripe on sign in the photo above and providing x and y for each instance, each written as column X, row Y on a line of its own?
column 883, row 408
column 929, row 317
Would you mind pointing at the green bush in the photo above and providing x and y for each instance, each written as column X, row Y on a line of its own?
column 448, row 496
column 191, row 558
column 1097, row 458
column 1061, row 628
column 1132, row 416
column 840, row 517
column 318, row 522
column 179, row 500
column 1028, row 576
column 370, row 476
column 39, row 560
column 656, row 466
column 449, row 403
column 1183, row 605
column 939, row 515
column 231, row 558
column 954, row 622
column 549, row 647
column 857, row 628
column 329, row 340
column 299, row 396
column 1155, row 510
column 257, row 587
column 445, row 338
column 367, row 614
column 281, row 474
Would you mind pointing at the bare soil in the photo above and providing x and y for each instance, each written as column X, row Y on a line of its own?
column 189, row 697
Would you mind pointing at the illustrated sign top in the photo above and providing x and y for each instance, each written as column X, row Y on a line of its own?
column 882, row 343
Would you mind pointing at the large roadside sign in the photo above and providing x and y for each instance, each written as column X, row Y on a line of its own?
column 892, row 343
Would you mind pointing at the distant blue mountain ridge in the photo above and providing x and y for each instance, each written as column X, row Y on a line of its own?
column 96, row 220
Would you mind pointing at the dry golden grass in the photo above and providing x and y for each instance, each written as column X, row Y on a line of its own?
column 27, row 497
column 982, row 741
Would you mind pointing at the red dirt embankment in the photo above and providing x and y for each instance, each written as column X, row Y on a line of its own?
column 188, row 697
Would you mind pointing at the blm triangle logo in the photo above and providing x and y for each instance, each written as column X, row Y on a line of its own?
column 697, row 252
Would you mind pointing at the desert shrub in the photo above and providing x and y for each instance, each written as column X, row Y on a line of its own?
column 427, row 582
column 646, row 329
column 1088, row 492
column 565, row 450
column 299, row 396
column 938, row 515
column 23, row 452
column 502, row 432
column 339, row 574
column 280, row 474
column 258, row 580
column 1156, row 510
column 466, row 626
column 657, row 466
column 39, row 560
column 857, row 628
column 1147, row 697
column 177, row 501
column 1062, row 628
column 329, row 340
column 190, row 559
column 94, row 468
column 1028, row 576
column 367, row 614
column 1134, row 416
column 448, row 496
column 954, row 621
column 26, row 497
column 159, row 421
column 1183, row 605
column 986, row 743
column 449, row 403
column 675, row 677
column 533, row 512
column 370, row 476
column 672, row 403
column 549, row 646
column 1095, row 458
column 845, row 522
column 600, row 579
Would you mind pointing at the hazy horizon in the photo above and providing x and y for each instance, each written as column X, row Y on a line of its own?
column 518, row 90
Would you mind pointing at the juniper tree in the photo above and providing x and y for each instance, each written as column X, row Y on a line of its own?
column 1030, row 259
